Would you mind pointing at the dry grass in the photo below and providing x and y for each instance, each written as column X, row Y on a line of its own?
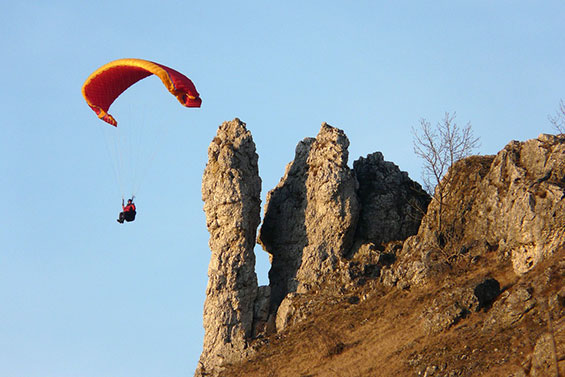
column 382, row 334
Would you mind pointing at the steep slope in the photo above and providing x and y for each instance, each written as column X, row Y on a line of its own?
column 374, row 331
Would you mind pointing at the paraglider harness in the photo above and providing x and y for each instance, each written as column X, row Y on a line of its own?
column 128, row 212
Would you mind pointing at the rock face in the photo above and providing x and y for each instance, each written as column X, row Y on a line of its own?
column 311, row 216
column 392, row 205
column 523, row 200
column 231, row 192
column 547, row 358
column 513, row 200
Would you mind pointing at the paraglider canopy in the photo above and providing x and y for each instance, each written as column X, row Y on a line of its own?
column 105, row 84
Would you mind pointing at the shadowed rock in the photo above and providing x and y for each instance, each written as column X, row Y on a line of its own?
column 486, row 292
column 392, row 205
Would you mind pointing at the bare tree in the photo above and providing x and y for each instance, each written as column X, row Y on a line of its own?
column 558, row 120
column 440, row 147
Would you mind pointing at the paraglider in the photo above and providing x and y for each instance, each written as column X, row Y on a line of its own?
column 105, row 84
column 108, row 82
column 128, row 212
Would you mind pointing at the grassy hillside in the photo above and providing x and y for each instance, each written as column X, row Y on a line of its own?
column 376, row 331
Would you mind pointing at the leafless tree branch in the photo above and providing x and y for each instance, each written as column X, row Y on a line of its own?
column 440, row 147
column 558, row 120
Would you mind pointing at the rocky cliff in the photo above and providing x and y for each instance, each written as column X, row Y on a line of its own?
column 362, row 237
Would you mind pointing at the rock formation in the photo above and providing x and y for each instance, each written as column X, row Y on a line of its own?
column 392, row 205
column 513, row 200
column 523, row 207
column 330, row 229
column 231, row 193
column 310, row 217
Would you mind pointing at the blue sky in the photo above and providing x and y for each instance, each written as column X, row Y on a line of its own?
column 81, row 295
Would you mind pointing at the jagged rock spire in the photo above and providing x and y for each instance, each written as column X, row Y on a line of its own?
column 310, row 217
column 231, row 190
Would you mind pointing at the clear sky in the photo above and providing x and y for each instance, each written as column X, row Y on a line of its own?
column 81, row 295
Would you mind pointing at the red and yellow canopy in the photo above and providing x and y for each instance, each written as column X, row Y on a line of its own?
column 105, row 84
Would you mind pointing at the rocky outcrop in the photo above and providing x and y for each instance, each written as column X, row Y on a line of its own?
column 548, row 358
column 523, row 208
column 311, row 216
column 511, row 204
column 325, row 223
column 392, row 205
column 454, row 303
column 510, row 308
column 342, row 237
column 231, row 193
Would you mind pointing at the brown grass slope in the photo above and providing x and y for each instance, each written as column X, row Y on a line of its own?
column 377, row 331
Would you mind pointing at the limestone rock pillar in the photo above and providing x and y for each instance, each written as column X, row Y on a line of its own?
column 231, row 190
